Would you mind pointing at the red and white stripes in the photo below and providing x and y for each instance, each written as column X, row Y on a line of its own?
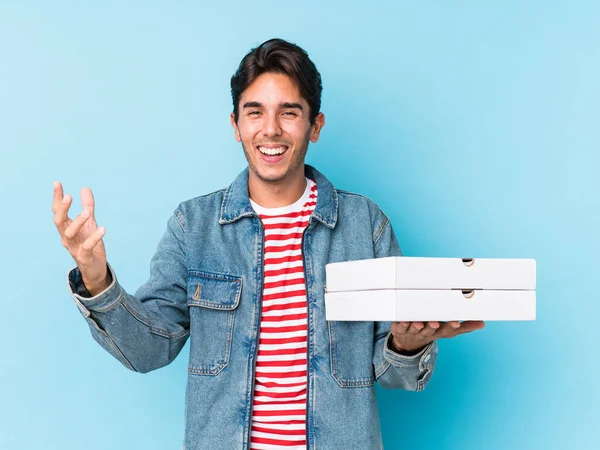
column 279, row 408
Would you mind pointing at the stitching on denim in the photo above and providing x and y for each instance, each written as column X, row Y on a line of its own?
column 219, row 278
column 180, row 219
column 257, row 275
column 120, row 356
column 223, row 203
column 422, row 380
column 382, row 368
column 201, row 370
column 154, row 329
column 82, row 309
column 120, row 353
column 216, row 368
column 215, row 276
column 332, row 352
column 380, row 230
column 333, row 219
column 310, row 354
column 336, row 203
column 427, row 352
column 355, row 194
column 342, row 382
column 385, row 365
column 112, row 306
column 210, row 305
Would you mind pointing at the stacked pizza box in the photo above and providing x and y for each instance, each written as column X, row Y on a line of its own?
column 431, row 289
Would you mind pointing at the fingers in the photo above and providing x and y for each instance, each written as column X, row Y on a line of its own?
column 87, row 202
column 430, row 328
column 410, row 336
column 402, row 327
column 75, row 227
column 90, row 243
column 415, row 335
column 455, row 328
column 415, row 328
column 466, row 327
column 427, row 329
column 423, row 329
column 447, row 329
column 61, row 210
column 60, row 206
column 58, row 196
column 471, row 325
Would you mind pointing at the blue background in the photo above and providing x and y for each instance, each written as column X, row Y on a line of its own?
column 475, row 126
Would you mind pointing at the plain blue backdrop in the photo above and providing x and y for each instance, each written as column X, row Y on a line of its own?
column 474, row 125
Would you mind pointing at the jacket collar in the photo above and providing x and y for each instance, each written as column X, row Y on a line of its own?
column 236, row 202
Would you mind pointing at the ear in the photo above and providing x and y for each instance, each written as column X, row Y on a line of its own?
column 235, row 127
column 316, row 127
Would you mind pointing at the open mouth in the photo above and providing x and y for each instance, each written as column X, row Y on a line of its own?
column 272, row 151
column 272, row 154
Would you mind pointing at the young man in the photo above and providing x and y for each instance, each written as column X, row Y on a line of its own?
column 241, row 272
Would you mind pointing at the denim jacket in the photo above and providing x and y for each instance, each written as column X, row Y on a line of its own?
column 206, row 285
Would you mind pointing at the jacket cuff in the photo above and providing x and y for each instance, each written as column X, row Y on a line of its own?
column 424, row 358
column 103, row 301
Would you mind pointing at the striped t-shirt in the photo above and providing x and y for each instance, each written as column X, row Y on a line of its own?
column 279, row 407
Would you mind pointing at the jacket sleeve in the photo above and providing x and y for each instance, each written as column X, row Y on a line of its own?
column 394, row 370
column 147, row 330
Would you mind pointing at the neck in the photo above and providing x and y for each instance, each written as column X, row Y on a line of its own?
column 278, row 193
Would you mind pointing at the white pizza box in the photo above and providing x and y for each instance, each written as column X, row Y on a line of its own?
column 431, row 273
column 429, row 305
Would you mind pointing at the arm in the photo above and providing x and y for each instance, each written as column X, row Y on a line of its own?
column 395, row 369
column 147, row 330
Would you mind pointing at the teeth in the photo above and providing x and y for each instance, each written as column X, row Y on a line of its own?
column 271, row 151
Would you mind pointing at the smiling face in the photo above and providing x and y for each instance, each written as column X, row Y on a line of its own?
column 274, row 129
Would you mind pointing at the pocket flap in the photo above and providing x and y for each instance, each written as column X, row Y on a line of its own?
column 213, row 290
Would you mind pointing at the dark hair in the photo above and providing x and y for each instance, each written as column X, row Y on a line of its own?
column 279, row 56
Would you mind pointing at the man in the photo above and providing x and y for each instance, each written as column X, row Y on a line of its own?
column 241, row 272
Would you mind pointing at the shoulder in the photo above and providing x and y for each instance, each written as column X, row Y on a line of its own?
column 348, row 199
column 203, row 205
column 359, row 210
column 200, row 200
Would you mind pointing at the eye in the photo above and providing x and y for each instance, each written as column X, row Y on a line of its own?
column 290, row 114
column 254, row 113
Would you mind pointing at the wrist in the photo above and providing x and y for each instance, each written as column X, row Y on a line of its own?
column 403, row 349
column 94, row 288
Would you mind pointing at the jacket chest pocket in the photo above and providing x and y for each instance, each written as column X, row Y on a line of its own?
column 212, row 300
column 351, row 347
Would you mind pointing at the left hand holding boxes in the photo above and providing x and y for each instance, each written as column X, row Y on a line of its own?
column 426, row 298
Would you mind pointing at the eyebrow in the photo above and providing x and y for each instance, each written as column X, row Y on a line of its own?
column 286, row 105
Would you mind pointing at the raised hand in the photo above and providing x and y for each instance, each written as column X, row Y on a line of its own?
column 82, row 238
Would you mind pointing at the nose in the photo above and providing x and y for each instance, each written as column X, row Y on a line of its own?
column 271, row 126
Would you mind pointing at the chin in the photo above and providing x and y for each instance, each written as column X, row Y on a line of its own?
column 271, row 177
